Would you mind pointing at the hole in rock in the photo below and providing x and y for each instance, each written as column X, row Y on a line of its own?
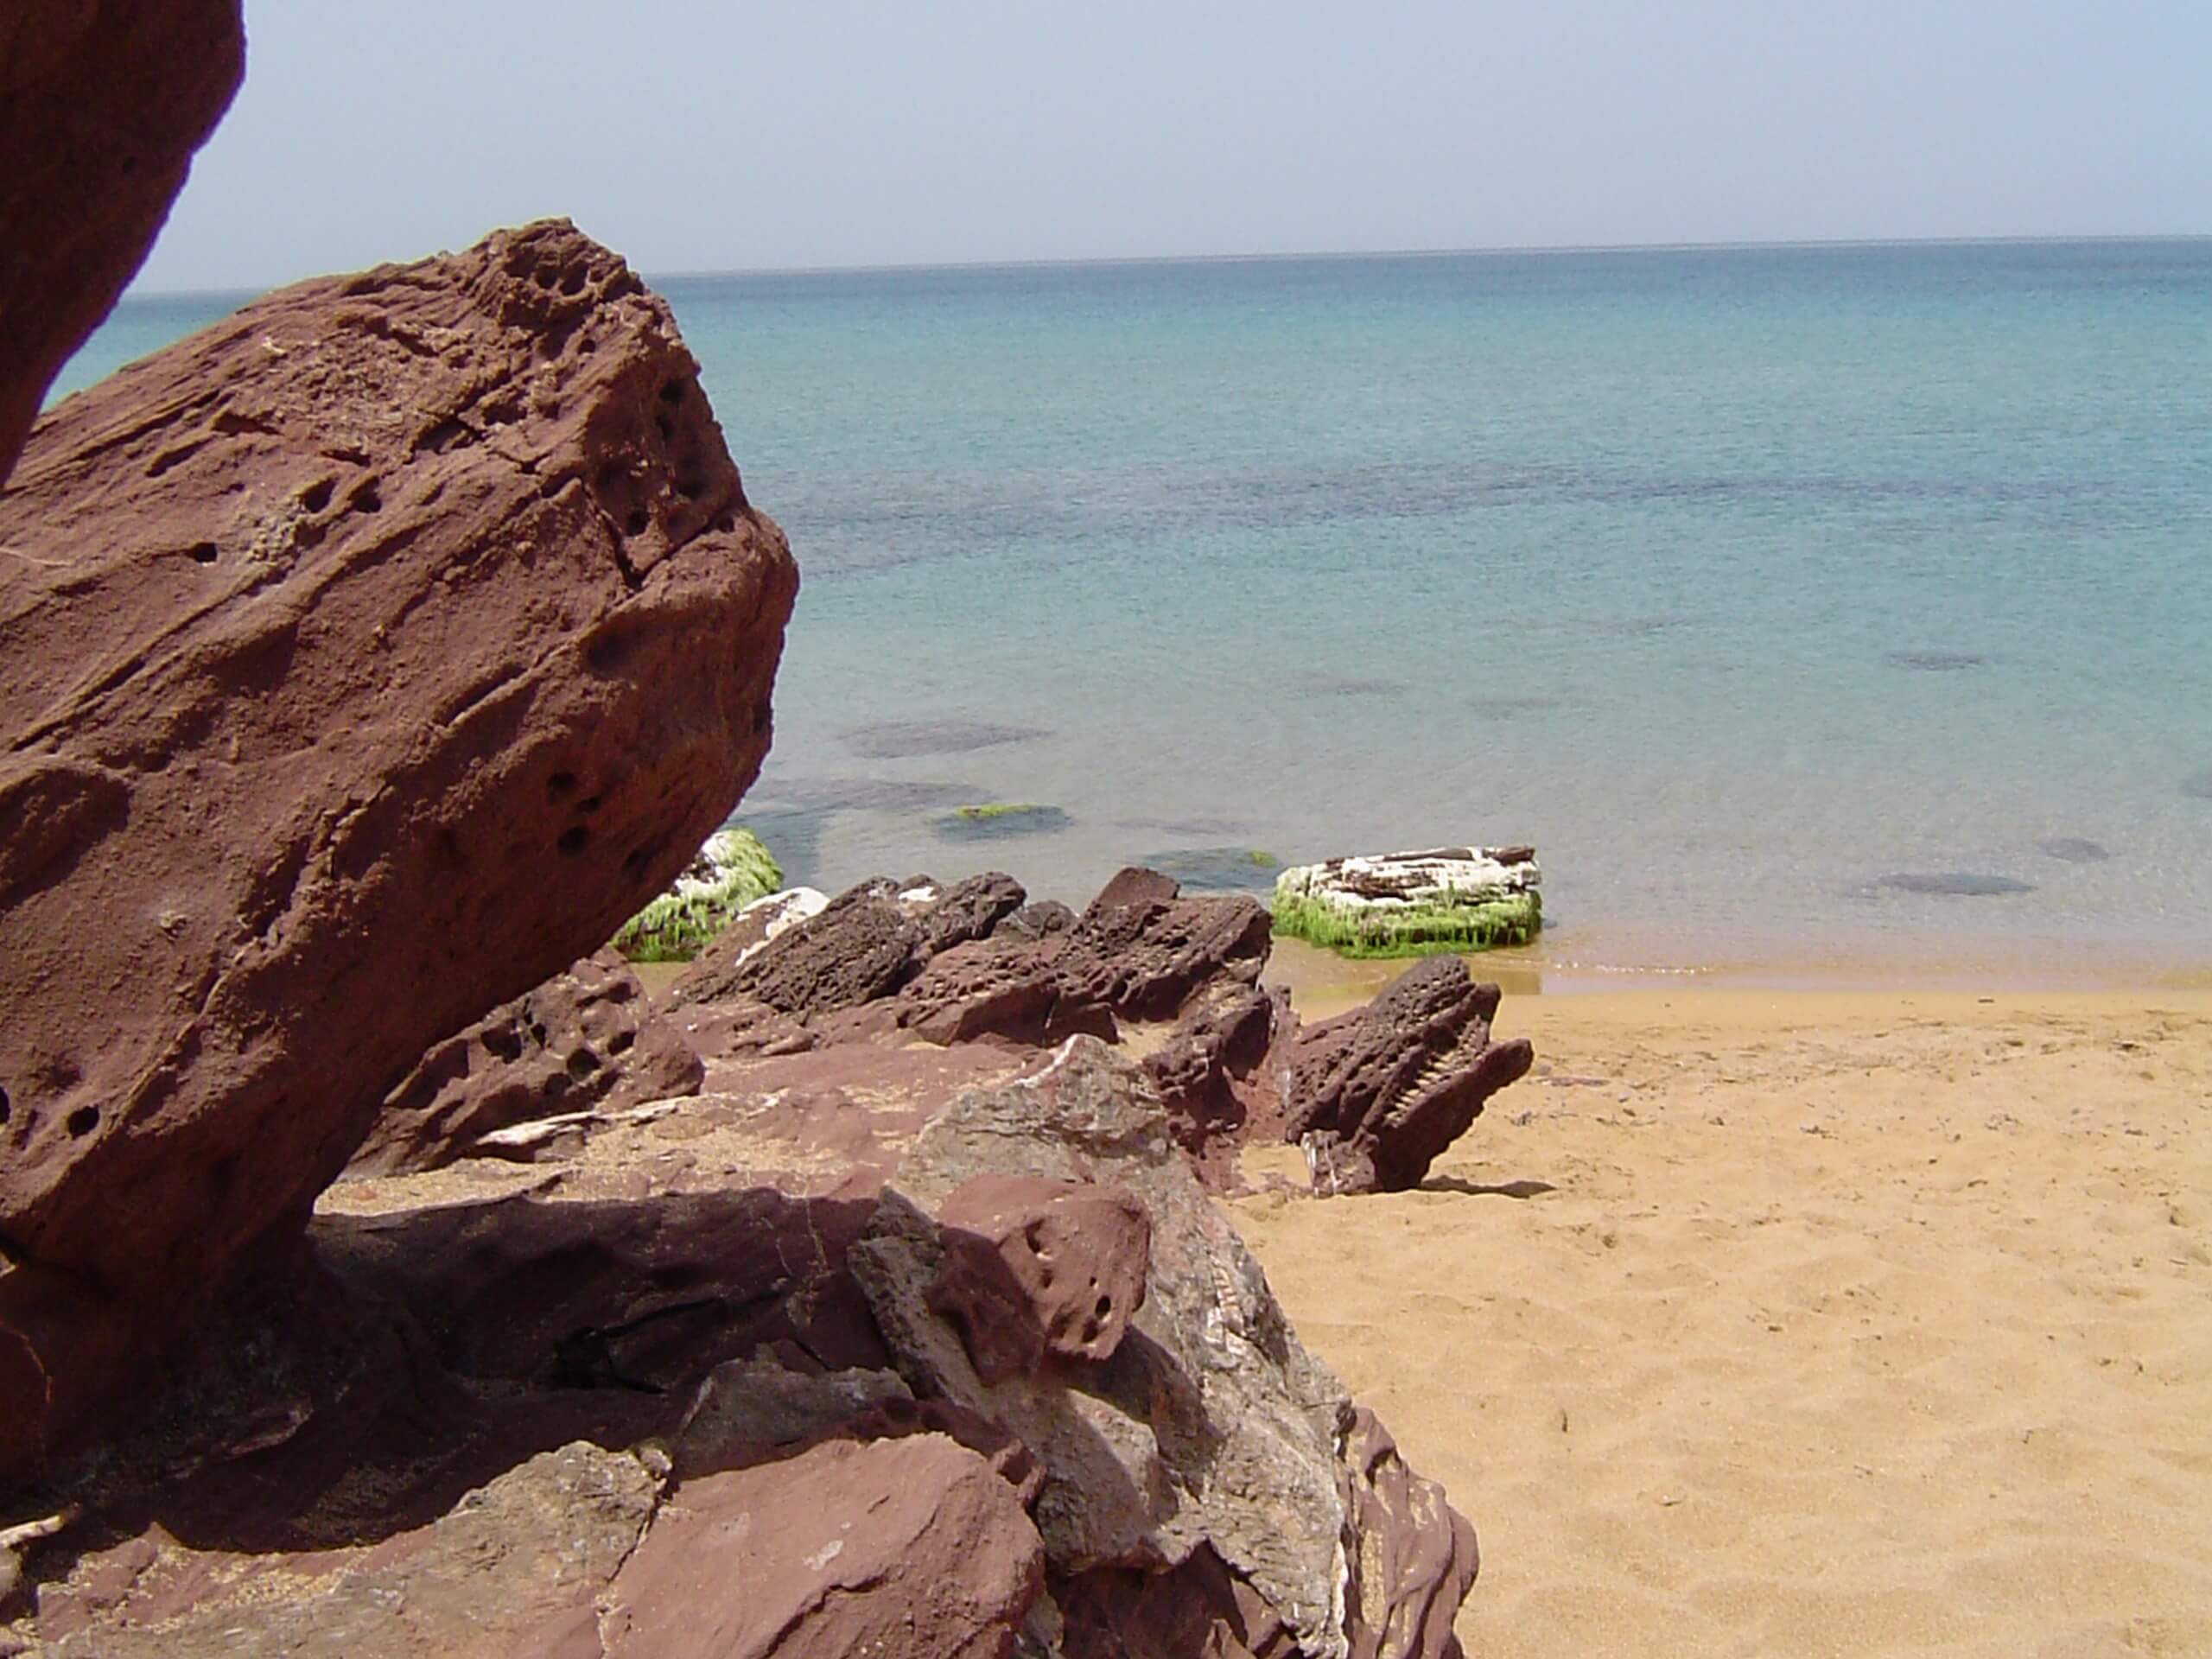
column 555, row 1086
column 84, row 1120
column 588, row 805
column 202, row 552
column 573, row 841
column 607, row 652
column 316, row 496
column 573, row 283
column 726, row 522
column 672, row 393
column 619, row 1043
column 560, row 786
column 1105, row 1308
column 365, row 496
column 581, row 1064
column 6, row 1110
column 503, row 1044
column 636, row 523
column 665, row 427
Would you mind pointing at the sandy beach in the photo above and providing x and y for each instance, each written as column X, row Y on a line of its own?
column 1804, row 1323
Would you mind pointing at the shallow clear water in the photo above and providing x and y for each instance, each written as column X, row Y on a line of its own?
column 1735, row 580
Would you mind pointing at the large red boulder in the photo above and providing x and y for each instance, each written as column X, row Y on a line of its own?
column 372, row 655
column 912, row 1546
column 102, row 106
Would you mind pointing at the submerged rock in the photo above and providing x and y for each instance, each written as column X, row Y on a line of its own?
column 1413, row 904
column 732, row 870
column 894, row 739
column 337, row 625
column 2074, row 849
column 1934, row 661
column 1957, row 884
column 999, row 820
column 2198, row 785
column 1219, row 869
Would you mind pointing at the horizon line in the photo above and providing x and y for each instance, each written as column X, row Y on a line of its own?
column 1491, row 251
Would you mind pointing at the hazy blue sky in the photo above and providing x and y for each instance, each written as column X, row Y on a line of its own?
column 702, row 135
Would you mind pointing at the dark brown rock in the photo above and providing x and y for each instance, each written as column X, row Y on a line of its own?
column 376, row 652
column 862, row 947
column 1033, row 1267
column 911, row 1547
column 1200, row 1608
column 970, row 910
column 102, row 106
column 1204, row 1069
column 1373, row 1095
column 1141, row 952
column 587, row 1040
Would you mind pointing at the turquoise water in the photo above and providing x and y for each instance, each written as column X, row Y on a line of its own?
column 1736, row 580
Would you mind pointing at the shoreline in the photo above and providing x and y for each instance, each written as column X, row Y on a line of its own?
column 1865, row 1321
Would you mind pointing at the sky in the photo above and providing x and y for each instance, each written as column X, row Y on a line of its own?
column 704, row 134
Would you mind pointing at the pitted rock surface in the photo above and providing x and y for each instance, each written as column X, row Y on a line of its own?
column 102, row 104
column 863, row 945
column 1208, row 1068
column 1210, row 1427
column 376, row 652
column 586, row 1039
column 1035, row 1267
column 1373, row 1095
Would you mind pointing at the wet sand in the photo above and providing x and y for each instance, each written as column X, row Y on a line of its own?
column 1801, row 1322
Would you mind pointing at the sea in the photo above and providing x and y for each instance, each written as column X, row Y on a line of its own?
column 1829, row 613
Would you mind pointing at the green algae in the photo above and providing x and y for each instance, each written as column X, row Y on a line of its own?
column 1219, row 869
column 991, row 820
column 732, row 870
column 1491, row 923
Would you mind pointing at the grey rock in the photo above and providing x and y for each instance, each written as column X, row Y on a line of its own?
column 1210, row 1426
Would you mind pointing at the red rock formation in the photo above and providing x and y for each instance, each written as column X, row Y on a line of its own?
column 1373, row 1095
column 585, row 1041
column 1033, row 1267
column 102, row 106
column 912, row 1546
column 375, row 653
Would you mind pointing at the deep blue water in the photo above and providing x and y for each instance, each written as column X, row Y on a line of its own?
column 1736, row 580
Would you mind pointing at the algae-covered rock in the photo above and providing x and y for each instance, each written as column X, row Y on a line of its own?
column 1216, row 869
column 732, row 870
column 1413, row 904
column 992, row 820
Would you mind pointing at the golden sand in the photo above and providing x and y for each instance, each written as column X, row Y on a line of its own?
column 1806, row 1324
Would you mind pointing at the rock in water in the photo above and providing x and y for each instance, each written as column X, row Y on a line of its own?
column 1373, row 1095
column 374, row 654
column 732, row 871
column 102, row 106
column 1210, row 1432
column 1413, row 903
